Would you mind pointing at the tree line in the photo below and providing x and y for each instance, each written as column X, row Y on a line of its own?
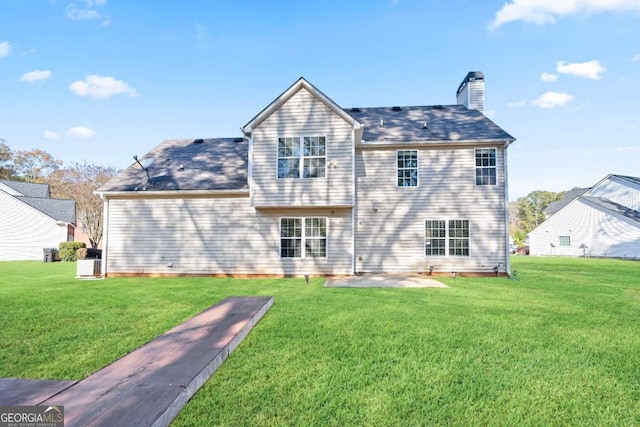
column 526, row 213
column 75, row 181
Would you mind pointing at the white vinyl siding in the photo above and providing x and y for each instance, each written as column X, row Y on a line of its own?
column 390, row 224
column 303, row 115
column 216, row 235
column 25, row 231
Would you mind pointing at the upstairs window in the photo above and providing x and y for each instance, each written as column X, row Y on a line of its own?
column 485, row 166
column 303, row 237
column 302, row 157
column 407, row 168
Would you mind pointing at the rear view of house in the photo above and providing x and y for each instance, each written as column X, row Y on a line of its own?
column 313, row 188
column 30, row 220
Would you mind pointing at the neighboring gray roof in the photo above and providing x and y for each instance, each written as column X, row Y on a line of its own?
column 188, row 164
column 59, row 209
column 443, row 123
column 633, row 179
column 28, row 189
column 615, row 207
column 568, row 197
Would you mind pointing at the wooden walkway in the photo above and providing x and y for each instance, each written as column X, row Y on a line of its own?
column 150, row 386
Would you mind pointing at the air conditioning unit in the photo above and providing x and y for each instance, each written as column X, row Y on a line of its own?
column 88, row 268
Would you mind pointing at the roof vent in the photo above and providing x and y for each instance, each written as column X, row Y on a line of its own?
column 424, row 125
column 437, row 107
column 396, row 108
column 198, row 141
column 381, row 123
column 356, row 110
column 238, row 139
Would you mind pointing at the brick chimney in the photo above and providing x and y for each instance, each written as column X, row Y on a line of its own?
column 471, row 91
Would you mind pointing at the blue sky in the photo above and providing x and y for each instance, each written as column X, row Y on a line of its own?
column 102, row 80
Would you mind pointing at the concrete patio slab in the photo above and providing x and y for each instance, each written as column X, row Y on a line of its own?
column 384, row 281
column 150, row 386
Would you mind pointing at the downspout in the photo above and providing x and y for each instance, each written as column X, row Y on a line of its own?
column 353, row 202
column 506, row 209
column 105, row 235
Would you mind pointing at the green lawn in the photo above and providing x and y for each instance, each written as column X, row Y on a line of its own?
column 560, row 346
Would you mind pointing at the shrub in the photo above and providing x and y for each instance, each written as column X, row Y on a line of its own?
column 81, row 253
column 68, row 250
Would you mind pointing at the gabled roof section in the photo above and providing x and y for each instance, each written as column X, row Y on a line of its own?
column 566, row 199
column 28, row 189
column 631, row 179
column 190, row 165
column 436, row 123
column 63, row 210
column 614, row 207
column 301, row 83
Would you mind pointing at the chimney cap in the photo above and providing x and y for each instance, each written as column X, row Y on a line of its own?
column 471, row 76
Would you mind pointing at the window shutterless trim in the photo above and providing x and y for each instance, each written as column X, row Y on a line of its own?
column 447, row 238
column 417, row 168
column 303, row 238
column 487, row 168
column 301, row 157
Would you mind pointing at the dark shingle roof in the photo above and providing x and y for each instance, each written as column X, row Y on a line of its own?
column 615, row 207
column 59, row 209
column 443, row 123
column 28, row 189
column 188, row 164
column 568, row 197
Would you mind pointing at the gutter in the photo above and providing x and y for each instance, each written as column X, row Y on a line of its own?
column 141, row 193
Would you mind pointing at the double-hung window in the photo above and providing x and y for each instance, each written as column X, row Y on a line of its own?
column 446, row 237
column 303, row 237
column 486, row 166
column 407, row 168
column 302, row 157
column 565, row 240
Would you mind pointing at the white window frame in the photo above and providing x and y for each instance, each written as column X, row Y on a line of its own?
column 485, row 167
column 301, row 157
column 447, row 238
column 397, row 169
column 304, row 238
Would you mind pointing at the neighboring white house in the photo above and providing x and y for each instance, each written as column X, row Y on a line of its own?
column 602, row 222
column 312, row 188
column 30, row 220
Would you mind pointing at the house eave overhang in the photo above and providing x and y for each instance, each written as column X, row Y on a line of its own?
column 435, row 143
column 301, row 83
column 170, row 193
column 305, row 206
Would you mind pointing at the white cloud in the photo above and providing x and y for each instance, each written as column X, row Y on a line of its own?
column 636, row 57
column 546, row 11
column 34, row 76
column 588, row 70
column 552, row 100
column 627, row 149
column 81, row 132
column 101, row 87
column 50, row 135
column 548, row 77
column 87, row 11
column 5, row 49
column 516, row 104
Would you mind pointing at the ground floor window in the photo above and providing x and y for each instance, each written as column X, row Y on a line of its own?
column 446, row 237
column 565, row 240
column 303, row 237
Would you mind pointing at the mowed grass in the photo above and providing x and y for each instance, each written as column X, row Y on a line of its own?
column 559, row 346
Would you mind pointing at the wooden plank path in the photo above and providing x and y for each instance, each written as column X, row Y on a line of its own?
column 150, row 386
